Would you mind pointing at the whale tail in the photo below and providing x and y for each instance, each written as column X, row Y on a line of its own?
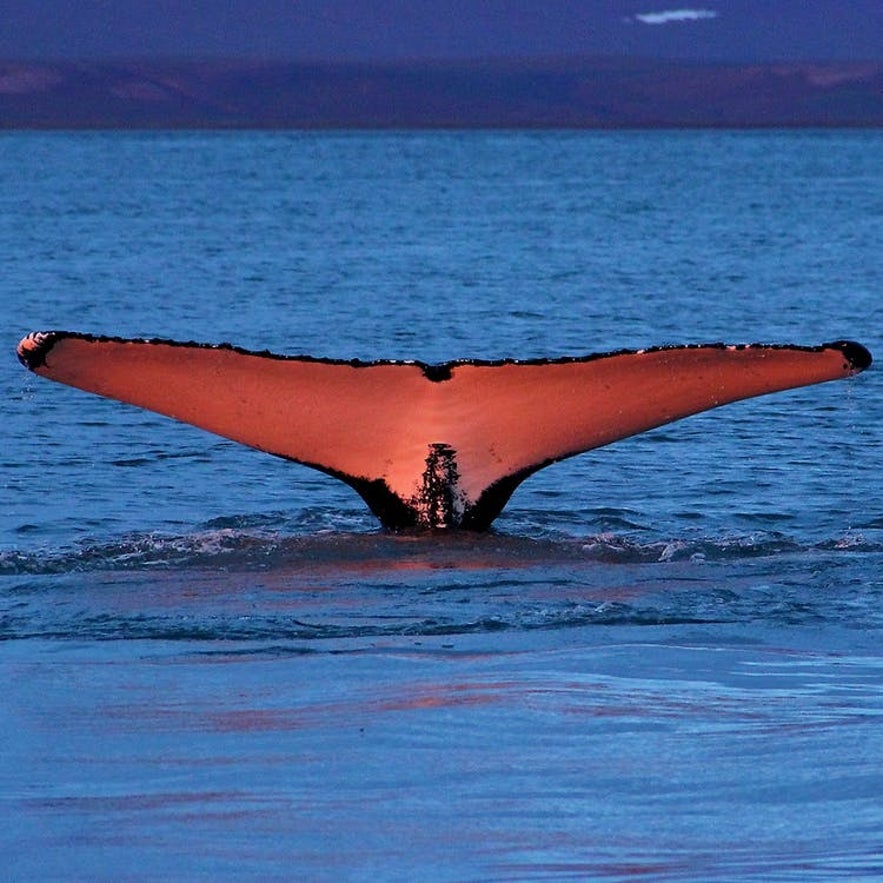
column 428, row 445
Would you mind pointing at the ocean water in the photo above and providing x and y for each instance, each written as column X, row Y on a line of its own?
column 664, row 663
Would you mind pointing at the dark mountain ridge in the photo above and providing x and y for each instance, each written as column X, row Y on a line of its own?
column 506, row 93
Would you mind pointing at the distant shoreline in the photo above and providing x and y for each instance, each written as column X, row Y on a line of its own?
column 569, row 93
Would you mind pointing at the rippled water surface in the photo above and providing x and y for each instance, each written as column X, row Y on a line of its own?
column 665, row 661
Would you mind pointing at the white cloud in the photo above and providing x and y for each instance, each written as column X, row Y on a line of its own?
column 674, row 15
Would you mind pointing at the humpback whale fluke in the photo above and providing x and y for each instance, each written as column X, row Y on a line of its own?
column 429, row 445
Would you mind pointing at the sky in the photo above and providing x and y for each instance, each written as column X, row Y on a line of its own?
column 712, row 30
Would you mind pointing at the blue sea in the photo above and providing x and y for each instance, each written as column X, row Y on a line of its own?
column 664, row 663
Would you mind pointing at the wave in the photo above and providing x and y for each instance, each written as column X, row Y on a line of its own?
column 244, row 585
column 241, row 547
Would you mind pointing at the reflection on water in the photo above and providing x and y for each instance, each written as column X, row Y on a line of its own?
column 479, row 756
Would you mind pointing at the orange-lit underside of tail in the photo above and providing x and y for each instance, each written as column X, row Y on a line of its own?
column 433, row 445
